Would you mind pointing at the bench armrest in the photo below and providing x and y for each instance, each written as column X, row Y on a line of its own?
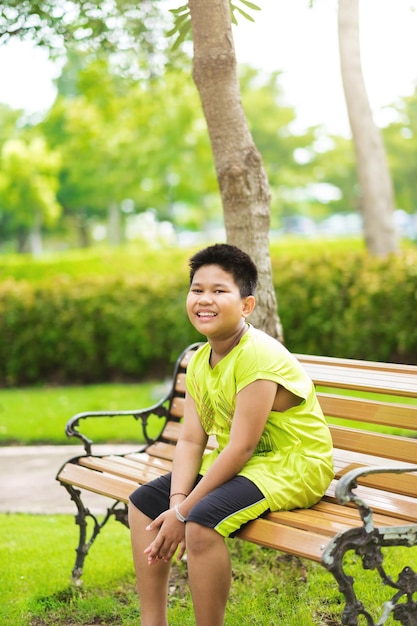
column 160, row 409
column 349, row 482
column 367, row 543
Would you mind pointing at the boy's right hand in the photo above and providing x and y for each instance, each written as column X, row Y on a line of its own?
column 171, row 536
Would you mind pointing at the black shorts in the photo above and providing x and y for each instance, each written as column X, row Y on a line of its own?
column 226, row 509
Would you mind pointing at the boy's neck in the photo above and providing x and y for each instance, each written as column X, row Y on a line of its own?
column 219, row 349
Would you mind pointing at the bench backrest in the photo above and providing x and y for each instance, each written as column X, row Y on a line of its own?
column 362, row 396
column 341, row 385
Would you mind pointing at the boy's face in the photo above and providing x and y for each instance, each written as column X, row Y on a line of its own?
column 214, row 304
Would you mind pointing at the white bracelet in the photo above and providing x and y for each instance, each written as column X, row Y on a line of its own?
column 179, row 515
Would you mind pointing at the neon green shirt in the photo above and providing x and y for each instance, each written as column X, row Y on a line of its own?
column 292, row 464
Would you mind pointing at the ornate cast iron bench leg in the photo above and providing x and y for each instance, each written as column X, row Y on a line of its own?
column 81, row 519
column 367, row 542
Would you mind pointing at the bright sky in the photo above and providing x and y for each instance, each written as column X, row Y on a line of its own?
column 302, row 42
column 287, row 36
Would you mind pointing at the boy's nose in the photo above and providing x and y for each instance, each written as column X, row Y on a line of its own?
column 205, row 297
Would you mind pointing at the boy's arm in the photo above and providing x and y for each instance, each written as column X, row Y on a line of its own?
column 253, row 405
column 187, row 460
column 188, row 451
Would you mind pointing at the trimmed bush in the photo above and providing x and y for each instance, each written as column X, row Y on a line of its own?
column 84, row 328
column 351, row 306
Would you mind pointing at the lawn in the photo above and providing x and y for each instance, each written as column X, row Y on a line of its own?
column 269, row 588
column 31, row 416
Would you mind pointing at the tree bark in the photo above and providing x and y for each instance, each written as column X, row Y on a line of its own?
column 377, row 202
column 35, row 236
column 241, row 176
column 114, row 227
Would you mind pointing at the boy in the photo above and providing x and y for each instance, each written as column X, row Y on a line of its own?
column 274, row 447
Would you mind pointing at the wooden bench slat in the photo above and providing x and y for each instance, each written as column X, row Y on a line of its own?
column 337, row 512
column 370, row 411
column 293, row 540
column 383, row 502
column 323, row 523
column 143, row 457
column 376, row 381
column 172, row 431
column 342, row 458
column 357, row 364
column 180, row 385
column 106, row 485
column 405, row 484
column 161, row 450
column 142, row 472
column 185, row 359
column 404, row 449
column 177, row 407
column 329, row 521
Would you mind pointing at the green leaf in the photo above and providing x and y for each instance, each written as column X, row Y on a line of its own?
column 179, row 21
column 184, row 8
column 183, row 31
column 246, row 15
column 250, row 5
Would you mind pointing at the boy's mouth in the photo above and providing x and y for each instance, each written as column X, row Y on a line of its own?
column 206, row 314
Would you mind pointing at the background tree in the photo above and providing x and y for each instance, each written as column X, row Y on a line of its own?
column 28, row 186
column 140, row 140
column 400, row 137
column 336, row 166
column 134, row 29
column 376, row 201
column 242, row 179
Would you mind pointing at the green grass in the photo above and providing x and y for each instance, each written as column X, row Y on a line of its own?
column 132, row 259
column 95, row 261
column 30, row 416
column 269, row 588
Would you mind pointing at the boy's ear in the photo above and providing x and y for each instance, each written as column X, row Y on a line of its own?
column 248, row 306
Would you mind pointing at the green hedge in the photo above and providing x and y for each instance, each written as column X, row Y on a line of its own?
column 68, row 329
column 90, row 330
column 350, row 306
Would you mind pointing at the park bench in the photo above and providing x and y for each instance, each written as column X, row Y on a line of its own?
column 370, row 505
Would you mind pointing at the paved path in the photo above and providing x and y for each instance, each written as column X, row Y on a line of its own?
column 27, row 479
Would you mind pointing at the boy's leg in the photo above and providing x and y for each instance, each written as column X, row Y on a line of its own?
column 220, row 514
column 209, row 571
column 152, row 580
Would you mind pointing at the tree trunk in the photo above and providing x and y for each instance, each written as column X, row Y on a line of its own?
column 241, row 176
column 114, row 227
column 377, row 203
column 83, row 229
column 35, row 236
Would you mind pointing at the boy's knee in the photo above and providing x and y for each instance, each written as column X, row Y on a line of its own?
column 200, row 538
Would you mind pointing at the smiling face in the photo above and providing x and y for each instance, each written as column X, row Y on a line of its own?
column 214, row 304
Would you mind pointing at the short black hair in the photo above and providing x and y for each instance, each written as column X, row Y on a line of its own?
column 232, row 260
